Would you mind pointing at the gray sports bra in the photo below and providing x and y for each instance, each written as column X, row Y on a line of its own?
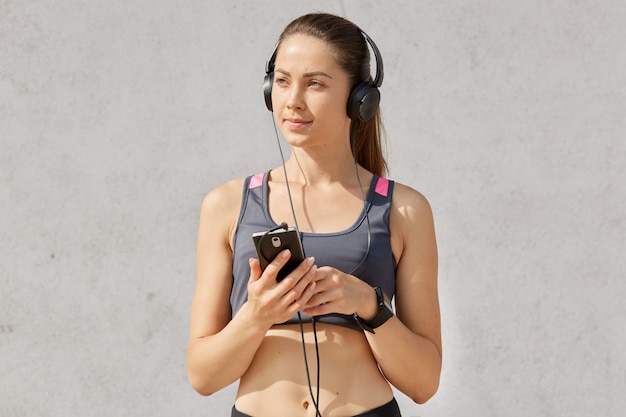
column 342, row 250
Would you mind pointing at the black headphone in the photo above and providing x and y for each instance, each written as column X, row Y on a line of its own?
column 363, row 99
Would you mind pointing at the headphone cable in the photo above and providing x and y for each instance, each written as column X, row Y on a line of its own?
column 315, row 398
column 282, row 158
column 365, row 204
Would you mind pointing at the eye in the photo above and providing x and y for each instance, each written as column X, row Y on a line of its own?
column 315, row 83
column 281, row 81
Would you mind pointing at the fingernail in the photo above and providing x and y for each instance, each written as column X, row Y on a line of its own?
column 285, row 253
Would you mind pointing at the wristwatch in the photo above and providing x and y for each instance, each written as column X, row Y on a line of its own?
column 384, row 313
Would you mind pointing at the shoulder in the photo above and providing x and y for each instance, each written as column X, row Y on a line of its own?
column 408, row 203
column 412, row 232
column 224, row 196
column 220, row 208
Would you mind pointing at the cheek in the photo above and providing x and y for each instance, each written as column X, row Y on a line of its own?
column 334, row 107
column 334, row 121
column 338, row 111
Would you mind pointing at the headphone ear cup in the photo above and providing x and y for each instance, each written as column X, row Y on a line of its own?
column 267, row 90
column 363, row 102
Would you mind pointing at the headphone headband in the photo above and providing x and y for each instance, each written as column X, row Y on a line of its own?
column 378, row 80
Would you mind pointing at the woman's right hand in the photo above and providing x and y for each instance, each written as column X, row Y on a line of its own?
column 275, row 302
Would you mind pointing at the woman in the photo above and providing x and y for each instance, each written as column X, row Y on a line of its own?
column 322, row 341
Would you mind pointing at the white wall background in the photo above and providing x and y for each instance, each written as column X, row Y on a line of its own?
column 116, row 117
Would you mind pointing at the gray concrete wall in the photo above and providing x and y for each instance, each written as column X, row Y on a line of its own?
column 116, row 117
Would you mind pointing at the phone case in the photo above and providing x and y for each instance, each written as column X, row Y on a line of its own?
column 268, row 245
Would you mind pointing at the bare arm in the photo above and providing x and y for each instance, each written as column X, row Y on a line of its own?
column 220, row 349
column 408, row 347
column 213, row 337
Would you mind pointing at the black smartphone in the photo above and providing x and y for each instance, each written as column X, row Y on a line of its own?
column 269, row 244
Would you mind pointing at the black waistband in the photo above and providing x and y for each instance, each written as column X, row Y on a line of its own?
column 390, row 409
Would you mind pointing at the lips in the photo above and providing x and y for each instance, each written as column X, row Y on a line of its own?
column 296, row 124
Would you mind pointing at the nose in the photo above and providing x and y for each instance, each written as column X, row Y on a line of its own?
column 295, row 98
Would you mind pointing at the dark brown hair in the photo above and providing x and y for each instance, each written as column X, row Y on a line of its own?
column 352, row 55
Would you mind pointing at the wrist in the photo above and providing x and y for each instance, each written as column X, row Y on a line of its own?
column 368, row 309
column 251, row 320
column 384, row 312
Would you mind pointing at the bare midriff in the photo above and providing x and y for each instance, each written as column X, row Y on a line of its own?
column 276, row 383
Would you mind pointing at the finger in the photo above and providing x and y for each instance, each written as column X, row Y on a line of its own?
column 312, row 308
column 318, row 299
column 271, row 271
column 295, row 276
column 298, row 304
column 297, row 291
column 255, row 269
column 301, row 270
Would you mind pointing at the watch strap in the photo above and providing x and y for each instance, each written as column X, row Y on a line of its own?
column 384, row 313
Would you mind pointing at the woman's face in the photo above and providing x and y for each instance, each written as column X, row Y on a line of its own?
column 310, row 93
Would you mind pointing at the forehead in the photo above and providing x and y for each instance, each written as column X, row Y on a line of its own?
column 306, row 53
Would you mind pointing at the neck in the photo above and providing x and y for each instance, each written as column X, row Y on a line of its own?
column 322, row 167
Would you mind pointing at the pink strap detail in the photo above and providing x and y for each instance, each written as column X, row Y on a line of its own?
column 382, row 187
column 256, row 181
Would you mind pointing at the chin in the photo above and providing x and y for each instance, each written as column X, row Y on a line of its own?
column 297, row 139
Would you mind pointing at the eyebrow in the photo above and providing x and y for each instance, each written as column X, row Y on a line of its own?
column 306, row 74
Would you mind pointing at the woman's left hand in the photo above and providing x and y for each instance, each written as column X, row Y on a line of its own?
column 338, row 292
